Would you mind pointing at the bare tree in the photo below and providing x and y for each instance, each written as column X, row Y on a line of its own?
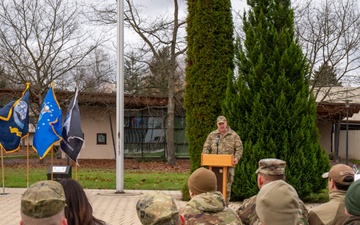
column 156, row 34
column 329, row 33
column 41, row 41
column 95, row 73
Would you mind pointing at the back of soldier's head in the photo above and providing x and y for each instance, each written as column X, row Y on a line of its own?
column 157, row 208
column 271, row 169
column 43, row 203
column 277, row 203
column 202, row 180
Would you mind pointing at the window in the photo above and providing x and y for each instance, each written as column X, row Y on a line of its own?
column 101, row 138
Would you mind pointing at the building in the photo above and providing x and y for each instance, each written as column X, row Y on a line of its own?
column 338, row 121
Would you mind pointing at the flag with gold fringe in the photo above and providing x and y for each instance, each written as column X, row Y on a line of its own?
column 14, row 122
column 48, row 129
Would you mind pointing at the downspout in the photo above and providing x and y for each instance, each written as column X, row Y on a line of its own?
column 112, row 135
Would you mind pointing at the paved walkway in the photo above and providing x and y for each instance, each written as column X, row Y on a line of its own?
column 115, row 209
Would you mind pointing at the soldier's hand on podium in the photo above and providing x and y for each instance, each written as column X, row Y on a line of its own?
column 235, row 161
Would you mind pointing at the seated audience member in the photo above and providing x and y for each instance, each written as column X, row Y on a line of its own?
column 270, row 169
column 352, row 204
column 78, row 210
column 340, row 177
column 277, row 203
column 158, row 208
column 207, row 206
column 43, row 203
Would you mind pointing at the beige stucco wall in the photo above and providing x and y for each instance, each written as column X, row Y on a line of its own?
column 353, row 140
column 353, row 144
column 95, row 121
column 325, row 135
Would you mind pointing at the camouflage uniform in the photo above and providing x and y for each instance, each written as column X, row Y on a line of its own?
column 228, row 143
column 247, row 211
column 209, row 208
column 277, row 203
column 157, row 208
column 43, row 199
column 248, row 214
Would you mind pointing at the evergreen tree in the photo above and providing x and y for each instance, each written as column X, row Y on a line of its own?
column 325, row 76
column 134, row 72
column 209, row 64
column 270, row 104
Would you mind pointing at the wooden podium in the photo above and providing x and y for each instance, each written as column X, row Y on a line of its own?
column 218, row 163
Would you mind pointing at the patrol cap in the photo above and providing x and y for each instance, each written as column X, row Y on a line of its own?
column 43, row 199
column 271, row 166
column 155, row 208
column 277, row 203
column 338, row 173
column 221, row 119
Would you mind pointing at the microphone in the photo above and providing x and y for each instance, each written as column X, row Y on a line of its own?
column 217, row 144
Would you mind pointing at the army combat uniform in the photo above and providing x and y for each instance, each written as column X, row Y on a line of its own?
column 209, row 208
column 157, row 208
column 228, row 143
column 248, row 214
column 247, row 211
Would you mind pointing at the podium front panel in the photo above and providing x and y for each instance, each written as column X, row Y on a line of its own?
column 219, row 177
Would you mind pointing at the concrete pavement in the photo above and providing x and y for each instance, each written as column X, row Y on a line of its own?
column 115, row 209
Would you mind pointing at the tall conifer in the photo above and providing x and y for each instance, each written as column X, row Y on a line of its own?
column 270, row 105
column 209, row 65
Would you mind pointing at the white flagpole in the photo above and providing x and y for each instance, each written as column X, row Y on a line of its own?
column 120, row 99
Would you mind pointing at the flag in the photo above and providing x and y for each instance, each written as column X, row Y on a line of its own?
column 72, row 134
column 48, row 129
column 14, row 122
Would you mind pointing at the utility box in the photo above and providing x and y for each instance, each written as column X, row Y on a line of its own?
column 59, row 172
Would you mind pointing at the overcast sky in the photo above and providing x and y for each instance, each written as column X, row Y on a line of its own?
column 154, row 8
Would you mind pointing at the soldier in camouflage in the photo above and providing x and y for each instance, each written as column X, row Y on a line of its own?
column 269, row 170
column 224, row 141
column 43, row 203
column 207, row 206
column 158, row 208
column 277, row 203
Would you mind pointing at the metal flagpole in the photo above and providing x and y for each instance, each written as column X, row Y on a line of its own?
column 2, row 171
column 27, row 162
column 120, row 99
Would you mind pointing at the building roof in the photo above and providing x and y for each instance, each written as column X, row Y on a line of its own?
column 335, row 102
column 331, row 102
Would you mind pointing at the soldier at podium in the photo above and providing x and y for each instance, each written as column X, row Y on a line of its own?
column 224, row 141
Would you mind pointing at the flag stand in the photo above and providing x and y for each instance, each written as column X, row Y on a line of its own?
column 27, row 163
column 2, row 171
column 52, row 163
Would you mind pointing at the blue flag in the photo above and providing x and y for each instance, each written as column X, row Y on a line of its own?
column 48, row 129
column 14, row 122
column 72, row 134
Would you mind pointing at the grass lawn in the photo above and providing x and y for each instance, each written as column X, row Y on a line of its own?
column 99, row 174
column 102, row 178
